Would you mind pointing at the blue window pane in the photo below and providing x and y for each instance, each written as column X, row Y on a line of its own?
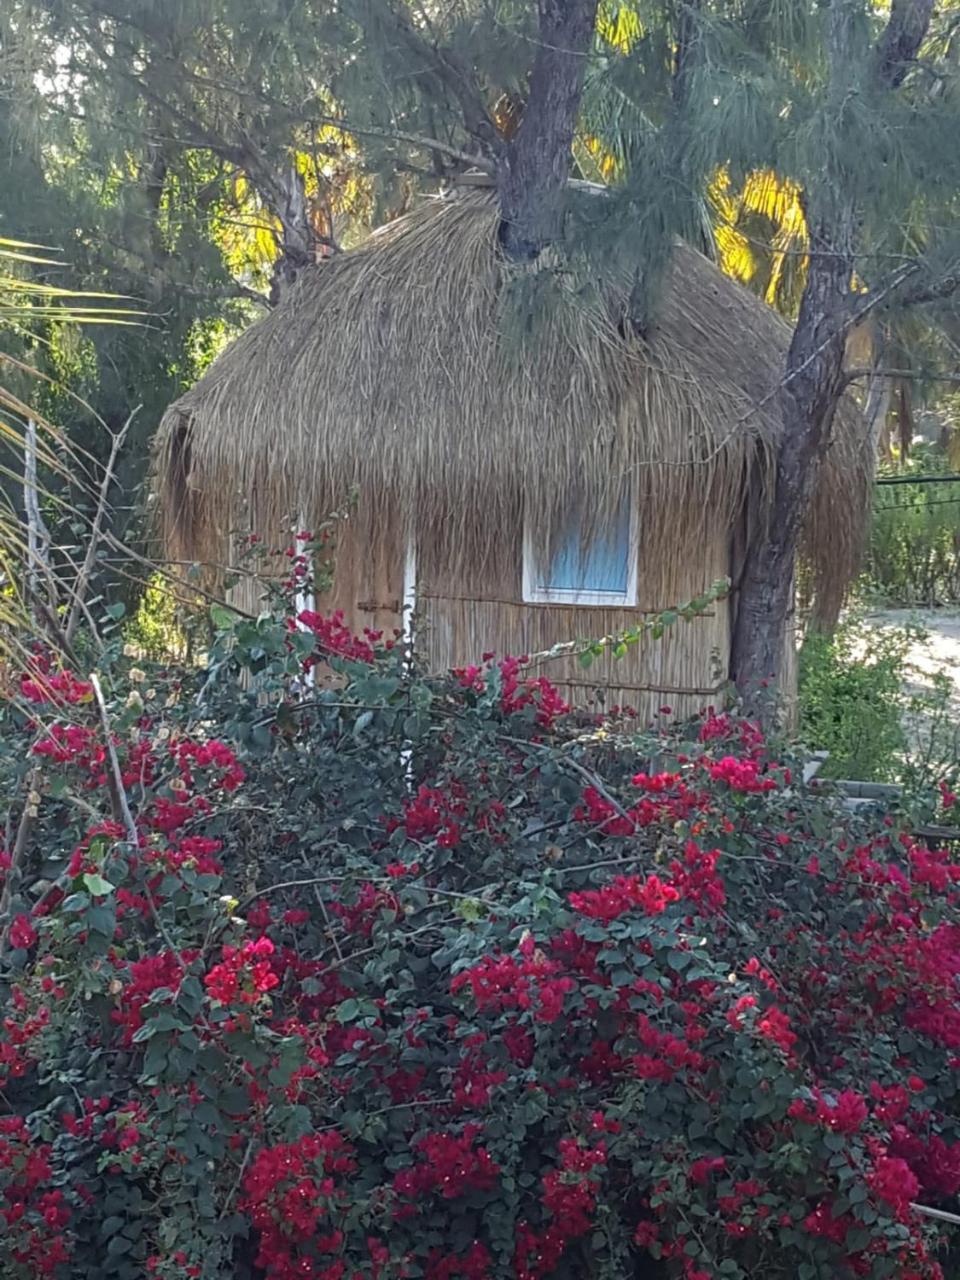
column 603, row 566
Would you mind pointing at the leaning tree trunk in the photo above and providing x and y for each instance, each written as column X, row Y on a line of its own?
column 811, row 390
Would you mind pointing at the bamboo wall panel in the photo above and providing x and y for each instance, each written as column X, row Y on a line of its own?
column 368, row 576
column 460, row 619
column 367, row 580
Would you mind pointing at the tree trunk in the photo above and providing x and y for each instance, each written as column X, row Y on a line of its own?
column 876, row 411
column 533, row 170
column 298, row 243
column 811, row 390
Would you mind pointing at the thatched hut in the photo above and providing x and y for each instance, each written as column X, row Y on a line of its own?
column 516, row 490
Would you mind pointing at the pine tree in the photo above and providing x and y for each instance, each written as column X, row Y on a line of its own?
column 835, row 119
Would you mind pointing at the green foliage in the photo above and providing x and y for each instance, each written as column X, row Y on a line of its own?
column 853, row 699
column 914, row 551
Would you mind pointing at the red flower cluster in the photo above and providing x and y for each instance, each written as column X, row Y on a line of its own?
column 433, row 815
column 333, row 637
column 448, row 1164
column 517, row 692
column 294, row 1201
column 893, row 1181
column 626, row 893
column 570, row 1198
column 742, row 775
column 243, row 975
column 531, row 982
column 32, row 1210
column 58, row 688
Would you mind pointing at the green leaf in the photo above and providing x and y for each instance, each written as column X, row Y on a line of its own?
column 116, row 610
column 222, row 619
column 348, row 1011
column 97, row 885
column 362, row 722
column 102, row 919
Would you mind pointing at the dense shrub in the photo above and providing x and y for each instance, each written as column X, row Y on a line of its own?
column 854, row 700
column 413, row 978
column 914, row 550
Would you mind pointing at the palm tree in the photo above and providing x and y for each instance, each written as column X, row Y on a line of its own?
column 25, row 435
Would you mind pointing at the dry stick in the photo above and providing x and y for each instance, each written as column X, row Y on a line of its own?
column 122, row 813
column 289, row 884
column 940, row 1214
column 16, row 855
column 239, row 1178
column 331, row 932
column 38, row 536
column 577, row 767
column 83, row 577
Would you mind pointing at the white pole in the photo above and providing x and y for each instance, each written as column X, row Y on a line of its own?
column 409, row 606
column 409, row 592
column 304, row 599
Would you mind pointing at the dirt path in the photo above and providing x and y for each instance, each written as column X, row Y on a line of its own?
column 938, row 652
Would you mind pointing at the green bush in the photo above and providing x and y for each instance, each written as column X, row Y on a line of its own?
column 914, row 551
column 853, row 700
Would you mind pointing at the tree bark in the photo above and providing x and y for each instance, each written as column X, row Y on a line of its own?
column 533, row 169
column 298, row 242
column 808, row 398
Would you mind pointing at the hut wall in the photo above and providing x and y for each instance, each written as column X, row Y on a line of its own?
column 367, row 583
column 461, row 616
column 368, row 563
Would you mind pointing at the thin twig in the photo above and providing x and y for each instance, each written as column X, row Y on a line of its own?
column 288, row 884
column 38, row 536
column 318, row 897
column 239, row 1178
column 13, row 877
column 577, row 767
column 940, row 1214
column 118, row 796
column 122, row 812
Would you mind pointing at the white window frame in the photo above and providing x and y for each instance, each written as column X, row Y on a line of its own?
column 534, row 594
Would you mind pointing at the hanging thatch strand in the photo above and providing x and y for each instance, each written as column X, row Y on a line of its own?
column 398, row 370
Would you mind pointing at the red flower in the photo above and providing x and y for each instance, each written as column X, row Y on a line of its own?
column 22, row 932
column 893, row 1181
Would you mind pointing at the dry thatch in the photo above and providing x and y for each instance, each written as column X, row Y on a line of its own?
column 389, row 370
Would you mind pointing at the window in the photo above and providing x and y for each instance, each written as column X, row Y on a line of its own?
column 605, row 573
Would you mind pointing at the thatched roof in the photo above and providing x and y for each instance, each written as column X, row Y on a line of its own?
column 391, row 370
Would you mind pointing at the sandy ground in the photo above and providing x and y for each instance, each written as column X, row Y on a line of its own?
column 938, row 652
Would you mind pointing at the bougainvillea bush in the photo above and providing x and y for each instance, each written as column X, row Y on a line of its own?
column 386, row 976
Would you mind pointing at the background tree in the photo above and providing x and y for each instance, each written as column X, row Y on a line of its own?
column 834, row 121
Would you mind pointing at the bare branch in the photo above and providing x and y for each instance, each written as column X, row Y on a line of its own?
column 475, row 161
column 913, row 375
column 15, row 870
column 38, row 536
column 79, row 588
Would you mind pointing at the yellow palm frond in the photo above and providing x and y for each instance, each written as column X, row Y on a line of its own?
column 619, row 25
